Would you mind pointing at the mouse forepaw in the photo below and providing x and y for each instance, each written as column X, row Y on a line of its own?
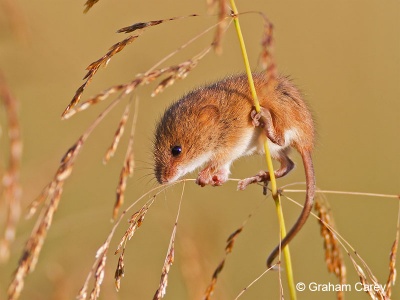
column 206, row 178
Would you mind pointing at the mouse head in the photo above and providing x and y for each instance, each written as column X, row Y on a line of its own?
column 184, row 140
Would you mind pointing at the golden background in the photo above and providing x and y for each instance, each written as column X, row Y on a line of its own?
column 345, row 57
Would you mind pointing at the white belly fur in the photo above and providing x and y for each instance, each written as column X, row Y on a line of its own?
column 256, row 142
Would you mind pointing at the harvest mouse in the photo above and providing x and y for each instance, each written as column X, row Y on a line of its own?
column 216, row 124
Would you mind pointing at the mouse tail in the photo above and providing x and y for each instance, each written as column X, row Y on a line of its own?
column 310, row 193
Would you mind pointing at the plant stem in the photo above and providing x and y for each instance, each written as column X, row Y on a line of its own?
column 275, row 194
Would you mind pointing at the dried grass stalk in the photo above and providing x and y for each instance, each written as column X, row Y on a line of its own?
column 392, row 268
column 169, row 259
column 99, row 275
column 127, row 169
column 100, row 97
column 143, row 25
column 89, row 4
column 50, row 196
column 258, row 278
column 266, row 58
column 123, row 176
column 369, row 280
column 93, row 68
column 392, row 261
column 34, row 205
column 120, row 271
column 228, row 249
column 98, row 271
column 333, row 255
column 179, row 71
column 101, row 255
column 222, row 14
column 10, row 187
column 173, row 73
column 364, row 272
column 117, row 136
column 135, row 221
column 104, row 60
column 35, row 242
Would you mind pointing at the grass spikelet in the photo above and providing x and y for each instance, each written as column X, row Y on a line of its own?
column 98, row 271
column 211, row 286
column 10, row 182
column 118, row 134
column 120, row 271
column 34, row 245
column 375, row 294
column 392, row 268
column 142, row 25
column 125, row 88
column 127, row 169
column 266, row 58
column 169, row 259
column 89, row 4
column 50, row 196
column 135, row 222
column 104, row 60
column 333, row 254
column 94, row 67
column 228, row 249
column 392, row 261
column 364, row 272
column 34, row 205
column 99, row 276
column 123, row 176
column 173, row 73
column 179, row 71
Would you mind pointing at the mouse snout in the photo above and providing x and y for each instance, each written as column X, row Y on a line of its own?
column 162, row 173
column 158, row 174
column 166, row 174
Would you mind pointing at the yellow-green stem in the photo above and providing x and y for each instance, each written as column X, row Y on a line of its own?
column 275, row 194
column 286, row 251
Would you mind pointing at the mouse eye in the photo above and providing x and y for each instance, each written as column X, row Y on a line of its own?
column 176, row 150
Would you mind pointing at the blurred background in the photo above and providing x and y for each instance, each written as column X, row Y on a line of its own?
column 344, row 56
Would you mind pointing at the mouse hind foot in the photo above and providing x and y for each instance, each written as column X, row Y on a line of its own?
column 263, row 176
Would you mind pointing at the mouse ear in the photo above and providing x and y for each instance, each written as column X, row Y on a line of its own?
column 208, row 115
